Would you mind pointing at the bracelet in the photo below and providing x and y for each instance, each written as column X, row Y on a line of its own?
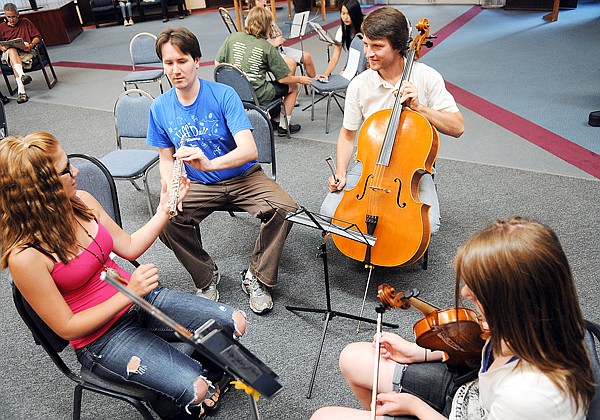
column 425, row 355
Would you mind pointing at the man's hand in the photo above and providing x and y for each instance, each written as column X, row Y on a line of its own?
column 410, row 95
column 336, row 183
column 194, row 157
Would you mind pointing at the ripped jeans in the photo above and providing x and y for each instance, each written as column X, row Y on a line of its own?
column 136, row 347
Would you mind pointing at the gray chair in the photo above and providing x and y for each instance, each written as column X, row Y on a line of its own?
column 227, row 20
column 85, row 379
column 142, row 50
column 264, row 136
column 41, row 61
column 338, row 84
column 592, row 341
column 230, row 75
column 96, row 179
column 131, row 111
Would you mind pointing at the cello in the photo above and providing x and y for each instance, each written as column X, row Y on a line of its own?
column 458, row 332
column 396, row 148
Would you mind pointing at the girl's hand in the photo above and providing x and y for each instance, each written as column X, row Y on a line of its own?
column 143, row 280
column 165, row 194
column 396, row 348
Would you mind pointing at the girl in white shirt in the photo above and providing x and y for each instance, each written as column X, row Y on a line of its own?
column 535, row 364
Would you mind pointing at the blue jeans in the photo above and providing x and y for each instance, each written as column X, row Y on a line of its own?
column 432, row 382
column 427, row 195
column 123, row 5
column 136, row 348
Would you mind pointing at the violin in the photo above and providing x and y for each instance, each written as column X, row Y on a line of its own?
column 396, row 148
column 458, row 332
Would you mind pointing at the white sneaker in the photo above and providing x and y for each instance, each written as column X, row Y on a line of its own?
column 261, row 301
column 210, row 292
column 130, row 21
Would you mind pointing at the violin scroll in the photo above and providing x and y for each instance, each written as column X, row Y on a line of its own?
column 391, row 299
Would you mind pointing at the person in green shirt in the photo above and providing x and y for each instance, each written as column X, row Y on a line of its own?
column 251, row 53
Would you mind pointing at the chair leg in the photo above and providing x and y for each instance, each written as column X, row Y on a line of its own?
column 285, row 118
column 147, row 188
column 327, row 113
column 77, row 402
column 11, row 91
column 312, row 108
column 425, row 259
column 48, row 82
column 137, row 187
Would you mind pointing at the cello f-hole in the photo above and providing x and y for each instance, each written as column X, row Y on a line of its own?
column 399, row 181
column 360, row 197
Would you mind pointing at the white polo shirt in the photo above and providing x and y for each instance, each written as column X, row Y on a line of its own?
column 369, row 93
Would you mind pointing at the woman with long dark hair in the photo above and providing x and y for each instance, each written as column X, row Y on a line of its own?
column 351, row 17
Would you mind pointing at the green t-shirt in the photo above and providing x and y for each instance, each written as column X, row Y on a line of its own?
column 255, row 57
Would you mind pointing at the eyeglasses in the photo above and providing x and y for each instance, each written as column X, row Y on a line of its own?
column 67, row 170
column 11, row 17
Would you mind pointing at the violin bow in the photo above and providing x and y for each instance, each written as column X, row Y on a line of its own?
column 380, row 310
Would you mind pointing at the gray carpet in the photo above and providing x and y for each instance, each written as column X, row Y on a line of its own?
column 471, row 195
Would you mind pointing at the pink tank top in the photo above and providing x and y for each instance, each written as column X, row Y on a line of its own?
column 80, row 285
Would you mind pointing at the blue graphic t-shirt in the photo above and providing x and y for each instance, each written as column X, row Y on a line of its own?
column 209, row 123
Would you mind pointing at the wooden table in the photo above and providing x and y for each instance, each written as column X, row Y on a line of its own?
column 57, row 21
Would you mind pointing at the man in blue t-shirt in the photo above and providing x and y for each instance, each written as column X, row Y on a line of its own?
column 205, row 125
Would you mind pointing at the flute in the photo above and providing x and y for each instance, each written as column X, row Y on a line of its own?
column 178, row 171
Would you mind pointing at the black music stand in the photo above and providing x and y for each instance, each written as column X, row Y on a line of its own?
column 209, row 340
column 347, row 230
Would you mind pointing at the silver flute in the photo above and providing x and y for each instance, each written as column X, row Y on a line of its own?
column 178, row 171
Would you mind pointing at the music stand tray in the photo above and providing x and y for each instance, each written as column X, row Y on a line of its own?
column 335, row 227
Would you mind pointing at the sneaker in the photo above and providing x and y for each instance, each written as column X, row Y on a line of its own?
column 130, row 21
column 210, row 292
column 22, row 98
column 260, row 298
column 294, row 128
column 26, row 79
column 126, row 23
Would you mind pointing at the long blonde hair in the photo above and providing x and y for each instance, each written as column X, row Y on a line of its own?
column 34, row 207
column 520, row 275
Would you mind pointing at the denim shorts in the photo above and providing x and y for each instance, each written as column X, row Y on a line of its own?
column 432, row 382
column 136, row 348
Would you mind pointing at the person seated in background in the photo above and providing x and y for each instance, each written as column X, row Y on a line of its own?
column 57, row 241
column 351, row 18
column 18, row 58
column 534, row 365
column 292, row 56
column 125, row 6
column 250, row 52
column 165, row 11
